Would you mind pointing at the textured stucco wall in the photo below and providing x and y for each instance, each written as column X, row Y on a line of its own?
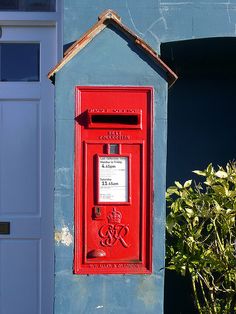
column 156, row 21
column 108, row 60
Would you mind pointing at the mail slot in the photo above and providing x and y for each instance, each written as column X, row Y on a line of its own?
column 113, row 119
column 113, row 180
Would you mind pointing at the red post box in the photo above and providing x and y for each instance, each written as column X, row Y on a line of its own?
column 113, row 180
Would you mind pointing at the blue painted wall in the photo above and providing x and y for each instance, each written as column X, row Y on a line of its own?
column 108, row 60
column 156, row 21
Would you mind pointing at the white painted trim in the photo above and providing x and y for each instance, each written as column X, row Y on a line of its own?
column 28, row 18
column 38, row 19
column 21, row 18
column 59, row 27
column 22, row 90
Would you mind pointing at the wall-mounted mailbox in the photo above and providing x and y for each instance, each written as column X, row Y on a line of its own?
column 113, row 180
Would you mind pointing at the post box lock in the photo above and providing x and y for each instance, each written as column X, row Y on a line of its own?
column 98, row 213
column 113, row 180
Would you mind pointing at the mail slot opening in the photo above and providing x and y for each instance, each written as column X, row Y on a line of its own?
column 101, row 120
column 120, row 119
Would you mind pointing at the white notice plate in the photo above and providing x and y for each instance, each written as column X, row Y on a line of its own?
column 113, row 179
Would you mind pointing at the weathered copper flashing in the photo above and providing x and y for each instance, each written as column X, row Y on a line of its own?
column 106, row 18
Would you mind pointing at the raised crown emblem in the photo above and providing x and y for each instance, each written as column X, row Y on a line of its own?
column 114, row 217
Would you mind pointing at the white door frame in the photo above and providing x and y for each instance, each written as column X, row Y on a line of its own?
column 31, row 27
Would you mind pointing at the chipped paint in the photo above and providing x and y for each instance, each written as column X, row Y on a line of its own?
column 147, row 292
column 64, row 236
column 63, row 177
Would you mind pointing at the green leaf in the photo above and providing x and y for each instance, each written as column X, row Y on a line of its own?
column 199, row 172
column 226, row 191
column 170, row 222
column 183, row 270
column 219, row 189
column 187, row 183
column 218, row 208
column 190, row 239
column 207, row 252
column 188, row 202
column 171, row 190
column 209, row 227
column 195, row 221
column 209, row 169
column 189, row 211
column 221, row 174
column 171, row 267
column 209, row 180
column 178, row 185
column 232, row 193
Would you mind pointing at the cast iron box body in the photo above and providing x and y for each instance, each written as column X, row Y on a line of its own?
column 113, row 180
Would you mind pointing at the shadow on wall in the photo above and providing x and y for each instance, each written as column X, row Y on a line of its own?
column 201, row 125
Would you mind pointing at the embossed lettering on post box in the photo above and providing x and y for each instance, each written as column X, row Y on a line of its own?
column 113, row 180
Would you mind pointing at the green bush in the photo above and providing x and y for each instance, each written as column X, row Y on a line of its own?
column 202, row 237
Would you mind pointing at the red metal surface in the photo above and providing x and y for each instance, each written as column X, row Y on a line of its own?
column 113, row 223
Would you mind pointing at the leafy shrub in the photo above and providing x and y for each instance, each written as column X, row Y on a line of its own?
column 202, row 237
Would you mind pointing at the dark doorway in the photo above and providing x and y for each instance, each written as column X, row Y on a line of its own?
column 201, row 124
